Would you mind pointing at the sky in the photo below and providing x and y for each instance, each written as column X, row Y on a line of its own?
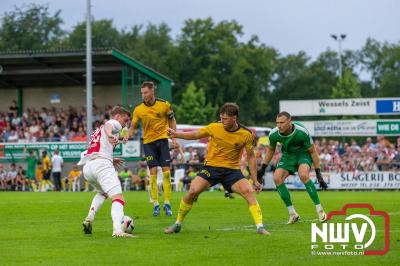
column 290, row 26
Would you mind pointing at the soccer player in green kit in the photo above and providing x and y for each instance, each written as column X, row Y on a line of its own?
column 298, row 154
column 31, row 169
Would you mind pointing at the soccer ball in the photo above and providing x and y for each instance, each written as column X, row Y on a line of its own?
column 127, row 224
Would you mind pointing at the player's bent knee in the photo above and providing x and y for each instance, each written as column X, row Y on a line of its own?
column 117, row 197
column 153, row 170
column 278, row 179
column 246, row 191
column 248, row 195
column 304, row 177
column 193, row 193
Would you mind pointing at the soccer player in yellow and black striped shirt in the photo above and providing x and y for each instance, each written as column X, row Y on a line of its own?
column 156, row 116
column 228, row 139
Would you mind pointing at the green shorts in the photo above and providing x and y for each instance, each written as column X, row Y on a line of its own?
column 291, row 162
column 31, row 175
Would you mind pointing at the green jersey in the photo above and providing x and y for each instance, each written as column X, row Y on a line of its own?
column 299, row 141
column 31, row 170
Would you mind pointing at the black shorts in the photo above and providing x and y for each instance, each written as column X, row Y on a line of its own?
column 46, row 175
column 226, row 176
column 157, row 153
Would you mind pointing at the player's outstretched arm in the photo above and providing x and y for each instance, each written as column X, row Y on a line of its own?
column 191, row 135
column 317, row 165
column 131, row 131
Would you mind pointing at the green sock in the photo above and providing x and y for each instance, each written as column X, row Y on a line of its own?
column 284, row 193
column 312, row 192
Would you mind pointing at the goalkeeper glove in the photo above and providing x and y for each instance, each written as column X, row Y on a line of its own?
column 260, row 173
column 321, row 181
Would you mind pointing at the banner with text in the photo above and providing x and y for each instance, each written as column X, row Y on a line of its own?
column 339, row 128
column 68, row 150
column 352, row 106
column 347, row 180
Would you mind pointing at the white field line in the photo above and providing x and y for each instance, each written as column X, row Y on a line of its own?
column 252, row 227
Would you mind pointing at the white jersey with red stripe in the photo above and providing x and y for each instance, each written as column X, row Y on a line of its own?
column 99, row 145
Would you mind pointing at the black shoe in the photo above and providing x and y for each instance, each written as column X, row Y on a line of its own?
column 229, row 195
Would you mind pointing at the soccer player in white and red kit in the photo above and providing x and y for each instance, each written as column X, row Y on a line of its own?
column 99, row 170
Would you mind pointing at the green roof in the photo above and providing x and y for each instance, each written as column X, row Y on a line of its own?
column 37, row 68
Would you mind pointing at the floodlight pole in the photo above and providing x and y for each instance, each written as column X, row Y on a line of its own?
column 89, row 100
column 339, row 38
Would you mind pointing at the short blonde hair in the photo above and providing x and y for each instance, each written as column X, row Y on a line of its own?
column 119, row 110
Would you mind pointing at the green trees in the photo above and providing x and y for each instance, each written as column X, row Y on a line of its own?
column 382, row 60
column 229, row 70
column 104, row 34
column 30, row 27
column 347, row 87
column 212, row 63
column 194, row 109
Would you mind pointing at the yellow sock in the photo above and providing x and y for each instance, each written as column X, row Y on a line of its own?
column 40, row 185
column 33, row 185
column 49, row 183
column 255, row 211
column 167, row 186
column 154, row 188
column 70, row 183
column 63, row 184
column 184, row 209
column 86, row 184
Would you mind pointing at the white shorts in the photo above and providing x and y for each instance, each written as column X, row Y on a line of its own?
column 101, row 174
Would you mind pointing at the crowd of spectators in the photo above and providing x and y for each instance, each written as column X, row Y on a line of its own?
column 52, row 124
column 48, row 124
column 379, row 155
column 370, row 155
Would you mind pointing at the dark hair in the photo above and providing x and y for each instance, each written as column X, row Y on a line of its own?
column 231, row 109
column 119, row 110
column 285, row 114
column 148, row 84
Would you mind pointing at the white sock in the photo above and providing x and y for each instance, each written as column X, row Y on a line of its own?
column 97, row 202
column 117, row 214
column 259, row 226
column 319, row 207
column 156, row 203
column 291, row 210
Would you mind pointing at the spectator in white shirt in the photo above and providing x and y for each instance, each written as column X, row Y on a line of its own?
column 57, row 162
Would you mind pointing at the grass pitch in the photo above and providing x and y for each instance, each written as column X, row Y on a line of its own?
column 45, row 228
